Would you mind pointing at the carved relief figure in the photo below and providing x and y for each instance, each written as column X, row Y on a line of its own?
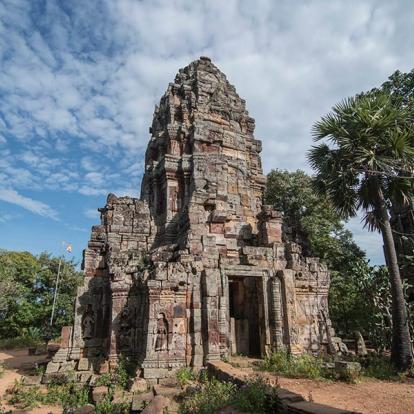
column 88, row 323
column 161, row 343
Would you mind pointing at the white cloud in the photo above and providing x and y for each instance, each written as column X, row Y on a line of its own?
column 91, row 213
column 79, row 83
column 35, row 206
column 5, row 217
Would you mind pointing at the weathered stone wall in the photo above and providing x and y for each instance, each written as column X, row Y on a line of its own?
column 160, row 272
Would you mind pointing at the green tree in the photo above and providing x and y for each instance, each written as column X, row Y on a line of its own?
column 26, row 303
column 315, row 223
column 371, row 143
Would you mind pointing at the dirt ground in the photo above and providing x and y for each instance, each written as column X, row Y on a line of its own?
column 370, row 396
column 14, row 361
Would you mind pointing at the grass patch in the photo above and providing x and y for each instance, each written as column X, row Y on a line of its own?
column 69, row 396
column 294, row 366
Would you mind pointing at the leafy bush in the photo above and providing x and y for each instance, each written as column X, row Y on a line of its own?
column 212, row 395
column 107, row 406
column 378, row 366
column 120, row 377
column 184, row 376
column 298, row 366
column 254, row 397
column 208, row 397
column 70, row 395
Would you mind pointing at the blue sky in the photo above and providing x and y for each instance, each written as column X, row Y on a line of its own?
column 79, row 81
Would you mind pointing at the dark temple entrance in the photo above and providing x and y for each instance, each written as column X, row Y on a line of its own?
column 244, row 316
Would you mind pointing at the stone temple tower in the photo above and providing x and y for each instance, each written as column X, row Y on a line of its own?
column 197, row 268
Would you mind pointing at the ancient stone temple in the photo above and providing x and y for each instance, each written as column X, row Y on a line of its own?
column 197, row 268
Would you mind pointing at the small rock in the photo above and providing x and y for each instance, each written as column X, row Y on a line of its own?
column 139, row 385
column 86, row 409
column 348, row 371
column 99, row 393
column 157, row 405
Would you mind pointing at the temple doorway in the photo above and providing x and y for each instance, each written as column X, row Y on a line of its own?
column 245, row 316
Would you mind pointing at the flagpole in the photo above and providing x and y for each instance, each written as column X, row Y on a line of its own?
column 56, row 290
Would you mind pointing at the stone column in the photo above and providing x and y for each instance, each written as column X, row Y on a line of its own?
column 277, row 313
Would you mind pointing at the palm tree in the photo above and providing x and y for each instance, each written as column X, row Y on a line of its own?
column 366, row 162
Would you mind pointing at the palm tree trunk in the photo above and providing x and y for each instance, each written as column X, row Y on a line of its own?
column 401, row 347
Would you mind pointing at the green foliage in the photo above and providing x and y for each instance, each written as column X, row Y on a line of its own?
column 313, row 218
column 18, row 342
column 184, row 376
column 361, row 300
column 378, row 366
column 208, row 397
column 294, row 366
column 211, row 395
column 369, row 142
column 254, row 397
column 106, row 406
column 400, row 87
column 119, row 377
column 27, row 284
column 26, row 397
column 69, row 396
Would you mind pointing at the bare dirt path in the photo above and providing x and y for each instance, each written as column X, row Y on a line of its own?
column 14, row 361
column 370, row 396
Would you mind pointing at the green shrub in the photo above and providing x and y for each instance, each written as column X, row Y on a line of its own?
column 184, row 376
column 119, row 377
column 295, row 366
column 70, row 395
column 253, row 397
column 378, row 366
column 107, row 406
column 208, row 397
column 26, row 397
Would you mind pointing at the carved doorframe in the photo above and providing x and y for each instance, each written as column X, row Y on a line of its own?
column 242, row 271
